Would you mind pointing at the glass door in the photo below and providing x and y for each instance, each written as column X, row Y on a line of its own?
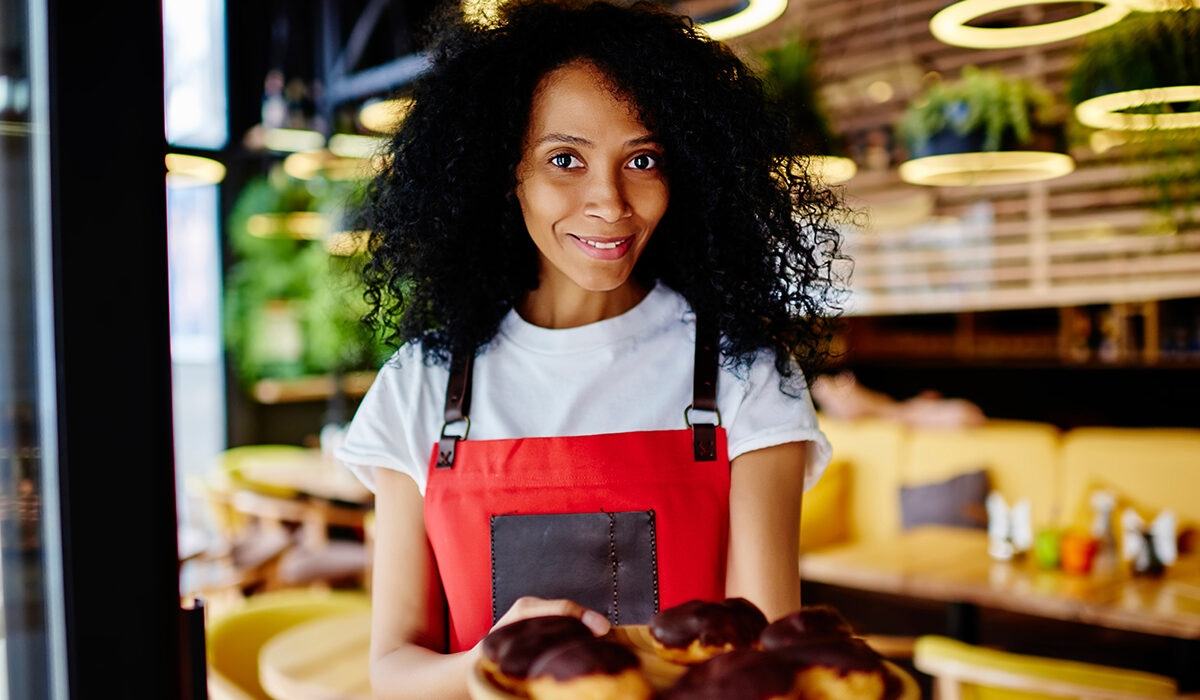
column 31, row 631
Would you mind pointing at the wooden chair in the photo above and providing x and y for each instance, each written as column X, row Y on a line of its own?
column 964, row 672
column 268, row 537
column 235, row 639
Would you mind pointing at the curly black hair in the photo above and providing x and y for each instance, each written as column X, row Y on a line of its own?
column 748, row 238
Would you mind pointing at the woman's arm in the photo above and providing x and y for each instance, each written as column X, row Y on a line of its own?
column 407, row 607
column 407, row 613
column 764, row 527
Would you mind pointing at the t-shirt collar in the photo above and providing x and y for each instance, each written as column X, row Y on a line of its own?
column 656, row 307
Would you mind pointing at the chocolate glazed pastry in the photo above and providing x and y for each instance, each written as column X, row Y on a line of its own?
column 840, row 668
column 744, row 674
column 824, row 667
column 596, row 669
column 509, row 652
column 812, row 622
column 698, row 630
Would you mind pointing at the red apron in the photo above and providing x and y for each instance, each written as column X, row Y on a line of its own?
column 623, row 523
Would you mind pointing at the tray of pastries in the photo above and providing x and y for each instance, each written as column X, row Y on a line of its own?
column 697, row 650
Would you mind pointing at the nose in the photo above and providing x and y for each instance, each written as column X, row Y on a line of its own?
column 606, row 198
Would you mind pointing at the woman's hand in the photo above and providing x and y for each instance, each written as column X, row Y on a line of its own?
column 530, row 606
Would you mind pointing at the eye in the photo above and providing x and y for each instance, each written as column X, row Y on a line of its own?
column 642, row 158
column 562, row 160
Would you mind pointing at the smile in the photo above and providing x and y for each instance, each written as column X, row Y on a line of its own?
column 604, row 249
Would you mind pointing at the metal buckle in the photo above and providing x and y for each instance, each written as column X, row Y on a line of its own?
column 466, row 419
column 688, row 419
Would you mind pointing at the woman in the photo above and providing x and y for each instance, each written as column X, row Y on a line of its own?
column 607, row 286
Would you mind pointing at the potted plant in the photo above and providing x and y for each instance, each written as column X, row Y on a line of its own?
column 983, row 111
column 789, row 76
column 1139, row 83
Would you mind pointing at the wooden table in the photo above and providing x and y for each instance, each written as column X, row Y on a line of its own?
column 307, row 473
column 320, row 660
column 951, row 566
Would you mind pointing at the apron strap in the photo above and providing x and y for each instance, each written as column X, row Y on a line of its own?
column 704, row 396
column 458, row 405
column 704, row 389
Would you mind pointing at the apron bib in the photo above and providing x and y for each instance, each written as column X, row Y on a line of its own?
column 626, row 524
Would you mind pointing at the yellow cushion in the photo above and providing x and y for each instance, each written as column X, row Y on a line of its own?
column 988, row 674
column 1148, row 468
column 823, row 509
column 1020, row 458
column 872, row 449
column 232, row 462
column 233, row 641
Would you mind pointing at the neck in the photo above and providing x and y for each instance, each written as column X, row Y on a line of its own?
column 563, row 304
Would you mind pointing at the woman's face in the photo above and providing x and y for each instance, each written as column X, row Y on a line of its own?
column 590, row 180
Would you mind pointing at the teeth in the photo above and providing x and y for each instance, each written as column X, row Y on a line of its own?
column 604, row 246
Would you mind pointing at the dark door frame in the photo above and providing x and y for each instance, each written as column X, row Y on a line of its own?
column 112, row 345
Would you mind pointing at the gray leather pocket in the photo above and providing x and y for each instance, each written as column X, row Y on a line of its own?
column 603, row 561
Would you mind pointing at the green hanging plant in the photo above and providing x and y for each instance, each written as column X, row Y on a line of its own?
column 790, row 78
column 1146, row 50
column 291, row 308
column 1001, row 109
column 1150, row 50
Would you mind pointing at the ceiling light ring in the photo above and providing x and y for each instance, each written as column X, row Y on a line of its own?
column 950, row 26
column 982, row 168
column 1106, row 111
column 756, row 15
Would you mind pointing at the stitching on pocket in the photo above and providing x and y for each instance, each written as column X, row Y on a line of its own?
column 654, row 556
column 492, row 522
column 612, row 555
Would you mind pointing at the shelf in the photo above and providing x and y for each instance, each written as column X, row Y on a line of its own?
column 1015, row 364
column 317, row 388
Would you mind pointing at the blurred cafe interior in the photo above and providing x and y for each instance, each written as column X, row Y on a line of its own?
column 1012, row 508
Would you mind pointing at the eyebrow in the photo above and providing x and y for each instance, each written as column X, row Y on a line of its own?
column 580, row 141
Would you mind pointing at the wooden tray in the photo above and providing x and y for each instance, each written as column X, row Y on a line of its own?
column 661, row 673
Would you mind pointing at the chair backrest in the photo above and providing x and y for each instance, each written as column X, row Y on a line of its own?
column 872, row 449
column 235, row 639
column 965, row 672
column 1021, row 459
column 1166, row 462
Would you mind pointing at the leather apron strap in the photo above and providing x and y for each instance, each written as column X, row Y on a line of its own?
column 704, row 390
column 704, row 397
column 458, row 406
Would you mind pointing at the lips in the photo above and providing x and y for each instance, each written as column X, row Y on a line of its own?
column 602, row 248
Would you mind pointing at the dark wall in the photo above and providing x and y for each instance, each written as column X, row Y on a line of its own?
column 1063, row 394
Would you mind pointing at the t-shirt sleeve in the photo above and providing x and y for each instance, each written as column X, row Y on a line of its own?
column 766, row 416
column 387, row 427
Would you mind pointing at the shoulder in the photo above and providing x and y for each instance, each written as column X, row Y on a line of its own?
column 408, row 369
column 406, row 386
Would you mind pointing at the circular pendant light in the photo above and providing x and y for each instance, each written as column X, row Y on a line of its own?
column 1158, row 5
column 950, row 25
column 292, row 140
column 310, row 164
column 306, row 225
column 985, row 168
column 187, row 170
column 384, row 116
column 744, row 17
column 829, row 170
column 1106, row 111
column 752, row 15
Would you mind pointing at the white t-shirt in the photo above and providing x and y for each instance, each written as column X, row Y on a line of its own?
column 627, row 373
